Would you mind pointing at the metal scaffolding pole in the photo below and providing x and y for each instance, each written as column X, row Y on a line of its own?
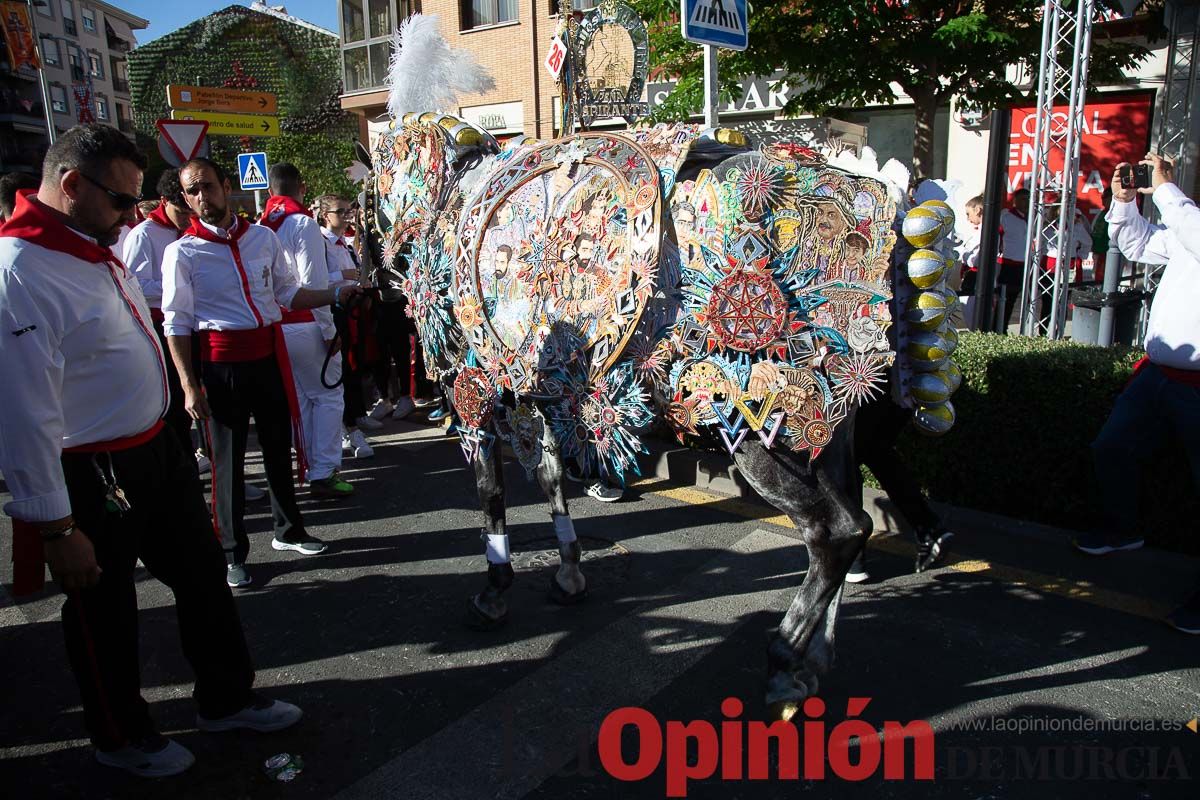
column 1175, row 113
column 1062, row 78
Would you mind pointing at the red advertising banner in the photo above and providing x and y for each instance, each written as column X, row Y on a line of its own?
column 1115, row 129
column 18, row 34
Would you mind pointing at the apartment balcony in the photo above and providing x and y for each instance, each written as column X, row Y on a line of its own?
column 115, row 42
column 120, row 85
column 77, row 74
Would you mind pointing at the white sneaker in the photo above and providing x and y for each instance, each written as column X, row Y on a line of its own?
column 265, row 716
column 404, row 406
column 369, row 423
column 347, row 446
column 381, row 409
column 604, row 492
column 153, row 757
column 358, row 445
column 202, row 463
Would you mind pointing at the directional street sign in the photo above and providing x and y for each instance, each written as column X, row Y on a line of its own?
column 232, row 124
column 213, row 98
column 180, row 140
column 721, row 23
column 252, row 171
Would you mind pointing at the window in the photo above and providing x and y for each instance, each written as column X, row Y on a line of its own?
column 480, row 13
column 380, row 56
column 50, row 52
column 577, row 5
column 76, row 62
column 58, row 99
column 101, row 109
column 381, row 18
column 68, row 12
column 45, row 10
column 353, row 27
column 358, row 73
column 89, row 19
column 95, row 65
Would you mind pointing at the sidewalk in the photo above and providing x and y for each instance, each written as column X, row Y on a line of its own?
column 1147, row 582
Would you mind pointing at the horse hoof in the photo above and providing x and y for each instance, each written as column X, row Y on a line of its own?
column 476, row 620
column 560, row 596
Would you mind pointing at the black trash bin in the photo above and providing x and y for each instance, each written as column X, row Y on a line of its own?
column 1085, row 319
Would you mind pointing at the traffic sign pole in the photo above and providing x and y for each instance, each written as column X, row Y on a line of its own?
column 713, row 24
column 711, row 87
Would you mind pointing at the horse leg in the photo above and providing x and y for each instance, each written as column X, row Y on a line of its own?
column 833, row 530
column 568, row 586
column 488, row 609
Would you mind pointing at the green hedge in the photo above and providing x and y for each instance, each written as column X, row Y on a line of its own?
column 1027, row 413
column 242, row 48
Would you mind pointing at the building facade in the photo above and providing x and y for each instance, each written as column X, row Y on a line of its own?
column 83, row 45
column 509, row 37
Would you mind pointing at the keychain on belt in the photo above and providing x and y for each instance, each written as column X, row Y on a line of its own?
column 114, row 496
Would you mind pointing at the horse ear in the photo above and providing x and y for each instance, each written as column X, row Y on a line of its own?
column 361, row 153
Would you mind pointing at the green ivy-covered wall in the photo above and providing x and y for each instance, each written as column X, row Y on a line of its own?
column 240, row 48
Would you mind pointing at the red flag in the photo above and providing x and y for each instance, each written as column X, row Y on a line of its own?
column 18, row 33
column 83, row 101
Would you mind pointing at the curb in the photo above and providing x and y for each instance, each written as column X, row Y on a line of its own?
column 1148, row 572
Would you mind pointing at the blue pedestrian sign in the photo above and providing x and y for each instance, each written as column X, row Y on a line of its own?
column 721, row 23
column 252, row 170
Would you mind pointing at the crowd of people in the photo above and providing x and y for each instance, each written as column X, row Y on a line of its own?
column 143, row 341
column 130, row 345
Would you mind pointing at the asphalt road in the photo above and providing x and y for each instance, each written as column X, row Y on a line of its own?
column 401, row 700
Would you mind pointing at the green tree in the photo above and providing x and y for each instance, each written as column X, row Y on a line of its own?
column 848, row 53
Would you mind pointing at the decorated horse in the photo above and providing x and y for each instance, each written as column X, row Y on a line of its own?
column 569, row 293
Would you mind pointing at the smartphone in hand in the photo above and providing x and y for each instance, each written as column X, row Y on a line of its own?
column 1141, row 176
column 1135, row 177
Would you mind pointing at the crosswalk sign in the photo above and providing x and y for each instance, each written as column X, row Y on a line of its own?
column 252, row 170
column 721, row 23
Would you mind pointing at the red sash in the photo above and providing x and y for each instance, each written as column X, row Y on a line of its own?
column 296, row 317
column 1188, row 377
column 253, row 345
column 29, row 557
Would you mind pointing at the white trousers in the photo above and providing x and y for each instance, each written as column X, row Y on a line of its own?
column 320, row 408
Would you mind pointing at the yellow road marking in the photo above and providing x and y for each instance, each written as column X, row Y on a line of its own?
column 895, row 545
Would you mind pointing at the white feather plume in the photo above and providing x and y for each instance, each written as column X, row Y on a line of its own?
column 426, row 74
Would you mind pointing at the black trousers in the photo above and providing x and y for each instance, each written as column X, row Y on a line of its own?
column 398, row 343
column 236, row 391
column 1012, row 275
column 169, row 529
column 354, row 400
column 877, row 425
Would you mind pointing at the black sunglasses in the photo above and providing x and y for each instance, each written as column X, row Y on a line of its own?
column 121, row 201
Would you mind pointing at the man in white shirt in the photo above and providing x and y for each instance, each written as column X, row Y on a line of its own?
column 1163, row 399
column 225, row 281
column 309, row 333
column 97, row 481
column 143, row 254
